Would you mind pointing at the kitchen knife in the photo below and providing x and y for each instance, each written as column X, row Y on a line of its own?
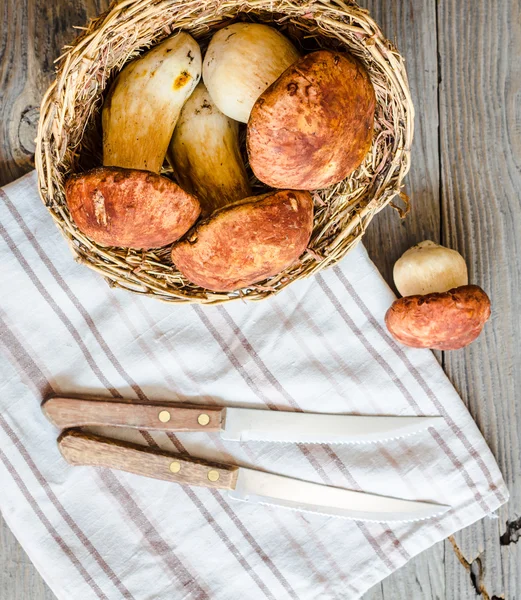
column 241, row 483
column 235, row 424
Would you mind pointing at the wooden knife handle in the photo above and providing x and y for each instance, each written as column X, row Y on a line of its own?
column 79, row 448
column 78, row 412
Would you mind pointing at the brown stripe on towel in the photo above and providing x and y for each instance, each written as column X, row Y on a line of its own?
column 218, row 443
column 52, row 531
column 39, row 382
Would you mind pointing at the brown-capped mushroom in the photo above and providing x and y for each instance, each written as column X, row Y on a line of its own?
column 246, row 242
column 130, row 208
column 314, row 125
column 127, row 203
column 440, row 321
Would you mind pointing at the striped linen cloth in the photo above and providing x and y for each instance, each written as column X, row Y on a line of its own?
column 319, row 346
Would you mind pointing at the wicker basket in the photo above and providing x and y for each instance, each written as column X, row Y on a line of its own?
column 69, row 136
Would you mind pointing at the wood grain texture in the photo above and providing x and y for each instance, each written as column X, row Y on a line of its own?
column 480, row 144
column 411, row 25
column 31, row 36
column 77, row 412
column 19, row 580
column 80, row 448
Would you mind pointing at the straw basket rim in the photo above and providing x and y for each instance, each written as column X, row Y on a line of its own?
column 127, row 28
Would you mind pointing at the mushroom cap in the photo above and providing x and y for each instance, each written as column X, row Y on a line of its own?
column 314, row 125
column 440, row 321
column 428, row 267
column 247, row 241
column 130, row 208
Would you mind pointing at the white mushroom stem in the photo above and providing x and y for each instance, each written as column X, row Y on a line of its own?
column 205, row 155
column 242, row 60
column 429, row 267
column 145, row 101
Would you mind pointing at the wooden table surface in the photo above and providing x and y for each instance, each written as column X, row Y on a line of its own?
column 464, row 65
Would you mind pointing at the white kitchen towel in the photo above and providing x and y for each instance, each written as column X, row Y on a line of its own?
column 320, row 345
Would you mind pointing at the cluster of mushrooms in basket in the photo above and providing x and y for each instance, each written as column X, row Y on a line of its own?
column 309, row 124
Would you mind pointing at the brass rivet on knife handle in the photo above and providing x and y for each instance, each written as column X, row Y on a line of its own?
column 213, row 475
column 203, row 419
column 175, row 466
column 164, row 416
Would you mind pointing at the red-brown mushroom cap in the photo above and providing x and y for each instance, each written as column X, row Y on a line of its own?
column 314, row 125
column 246, row 242
column 446, row 321
column 130, row 208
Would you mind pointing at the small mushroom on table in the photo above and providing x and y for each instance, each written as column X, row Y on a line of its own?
column 429, row 267
column 440, row 321
column 440, row 311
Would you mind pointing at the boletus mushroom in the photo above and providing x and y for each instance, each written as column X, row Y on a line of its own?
column 246, row 242
column 439, row 310
column 127, row 203
column 145, row 101
column 440, row 321
column 130, row 208
column 314, row 125
column 242, row 60
column 205, row 154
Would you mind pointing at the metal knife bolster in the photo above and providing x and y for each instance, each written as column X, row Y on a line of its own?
column 244, row 424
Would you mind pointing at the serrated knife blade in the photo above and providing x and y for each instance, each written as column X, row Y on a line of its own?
column 245, row 424
column 278, row 490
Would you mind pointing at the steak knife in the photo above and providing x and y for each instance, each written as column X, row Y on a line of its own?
column 235, row 424
column 244, row 484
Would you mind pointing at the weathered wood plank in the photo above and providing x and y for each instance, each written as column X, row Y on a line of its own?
column 411, row 25
column 480, row 127
column 19, row 580
column 31, row 36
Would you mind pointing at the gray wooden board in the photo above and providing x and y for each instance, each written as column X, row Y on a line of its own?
column 480, row 149
column 18, row 577
column 464, row 65
column 411, row 25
